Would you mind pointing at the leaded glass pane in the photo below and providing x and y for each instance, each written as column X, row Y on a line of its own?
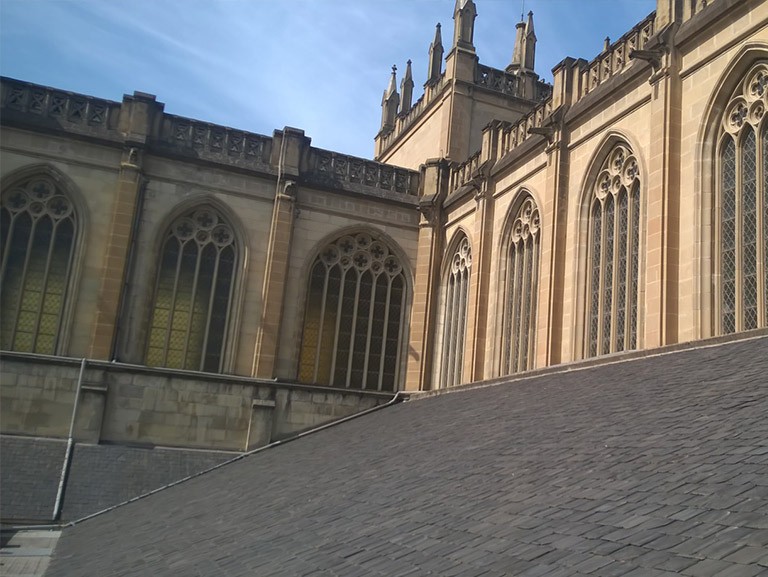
column 193, row 293
column 741, row 239
column 728, row 236
column 454, row 315
column 749, row 230
column 312, row 323
column 594, row 284
column 764, row 236
column 615, row 224
column 632, row 310
column 607, row 292
column 621, row 272
column 38, row 231
column 353, row 326
column 521, row 286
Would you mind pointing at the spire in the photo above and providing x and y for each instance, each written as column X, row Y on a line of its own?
column 406, row 89
column 392, row 88
column 524, row 53
column 389, row 103
column 435, row 56
column 530, row 44
column 519, row 50
column 464, row 14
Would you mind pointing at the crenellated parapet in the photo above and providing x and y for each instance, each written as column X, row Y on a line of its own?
column 213, row 143
column 341, row 171
column 58, row 109
column 509, row 84
column 464, row 173
column 615, row 57
column 139, row 122
column 510, row 135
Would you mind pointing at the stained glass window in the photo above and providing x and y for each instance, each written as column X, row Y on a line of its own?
column 354, row 323
column 742, row 207
column 38, row 229
column 454, row 316
column 193, row 293
column 521, row 288
column 614, row 234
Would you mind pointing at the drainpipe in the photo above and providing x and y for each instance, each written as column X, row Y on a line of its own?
column 70, row 446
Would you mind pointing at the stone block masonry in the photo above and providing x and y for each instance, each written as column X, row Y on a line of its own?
column 137, row 428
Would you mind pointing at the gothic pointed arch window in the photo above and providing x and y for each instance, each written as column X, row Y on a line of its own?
column 193, row 293
column 613, row 255
column 39, row 228
column 521, row 273
column 455, row 304
column 354, row 326
column 741, row 214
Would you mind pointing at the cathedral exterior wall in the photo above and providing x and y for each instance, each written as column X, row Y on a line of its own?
column 499, row 259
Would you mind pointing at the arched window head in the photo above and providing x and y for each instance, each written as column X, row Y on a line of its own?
column 354, row 325
column 454, row 314
column 521, row 289
column 38, row 229
column 193, row 293
column 614, row 237
column 742, row 207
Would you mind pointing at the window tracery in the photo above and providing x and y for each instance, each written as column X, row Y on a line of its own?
column 38, row 229
column 455, row 305
column 354, row 324
column 742, row 214
column 521, row 289
column 614, row 236
column 193, row 293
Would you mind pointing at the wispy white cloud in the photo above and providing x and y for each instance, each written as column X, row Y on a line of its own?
column 262, row 64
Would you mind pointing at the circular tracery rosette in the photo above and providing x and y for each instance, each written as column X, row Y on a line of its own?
column 363, row 253
column 462, row 259
column 621, row 170
column 748, row 104
column 41, row 189
column 38, row 197
column 15, row 200
column 205, row 218
column 59, row 207
column 527, row 222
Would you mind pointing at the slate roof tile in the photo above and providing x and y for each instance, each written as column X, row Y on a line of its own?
column 645, row 468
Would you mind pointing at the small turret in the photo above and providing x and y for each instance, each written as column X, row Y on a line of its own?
column 406, row 89
column 389, row 103
column 530, row 44
column 435, row 57
column 464, row 15
column 518, row 53
column 524, row 53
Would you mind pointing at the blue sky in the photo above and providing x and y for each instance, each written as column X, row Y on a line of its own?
column 258, row 65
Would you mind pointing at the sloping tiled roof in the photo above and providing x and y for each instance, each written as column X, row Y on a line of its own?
column 657, row 466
